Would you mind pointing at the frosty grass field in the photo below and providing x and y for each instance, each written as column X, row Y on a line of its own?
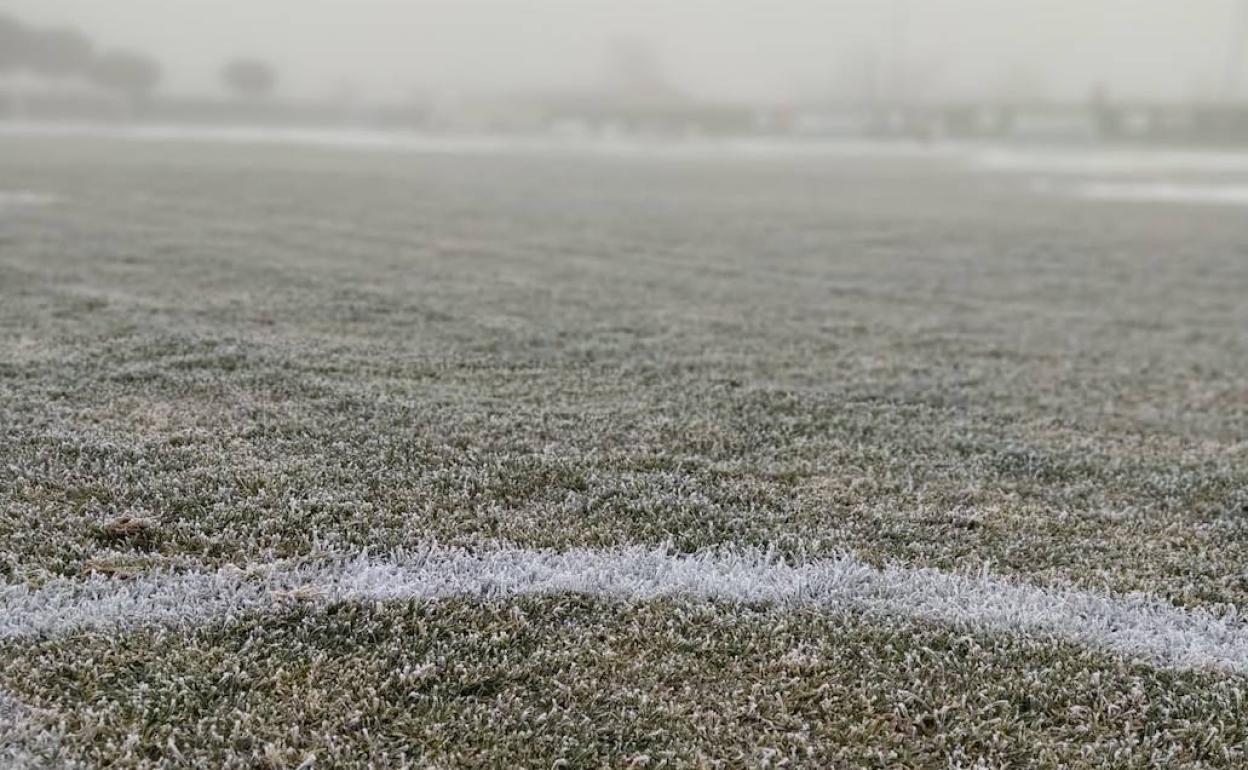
column 379, row 456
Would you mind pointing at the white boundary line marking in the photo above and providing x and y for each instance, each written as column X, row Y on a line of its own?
column 1136, row 626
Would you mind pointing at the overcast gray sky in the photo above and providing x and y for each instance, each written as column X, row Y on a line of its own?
column 754, row 49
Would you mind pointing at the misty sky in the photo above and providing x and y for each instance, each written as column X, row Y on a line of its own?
column 756, row 49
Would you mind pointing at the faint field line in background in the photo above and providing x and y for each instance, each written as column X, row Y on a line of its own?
column 1135, row 626
column 484, row 144
column 1109, row 161
column 978, row 156
column 1164, row 192
column 1180, row 193
column 19, row 198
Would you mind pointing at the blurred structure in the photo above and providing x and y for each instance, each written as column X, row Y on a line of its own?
column 250, row 78
column 634, row 97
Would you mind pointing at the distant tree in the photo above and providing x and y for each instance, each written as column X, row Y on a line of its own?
column 59, row 53
column 125, row 72
column 14, row 45
column 250, row 78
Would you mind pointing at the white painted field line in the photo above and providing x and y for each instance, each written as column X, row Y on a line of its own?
column 1134, row 626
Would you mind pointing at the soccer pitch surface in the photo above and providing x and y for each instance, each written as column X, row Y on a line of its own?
column 380, row 457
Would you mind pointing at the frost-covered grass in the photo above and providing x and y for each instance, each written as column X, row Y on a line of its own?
column 215, row 356
column 539, row 682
